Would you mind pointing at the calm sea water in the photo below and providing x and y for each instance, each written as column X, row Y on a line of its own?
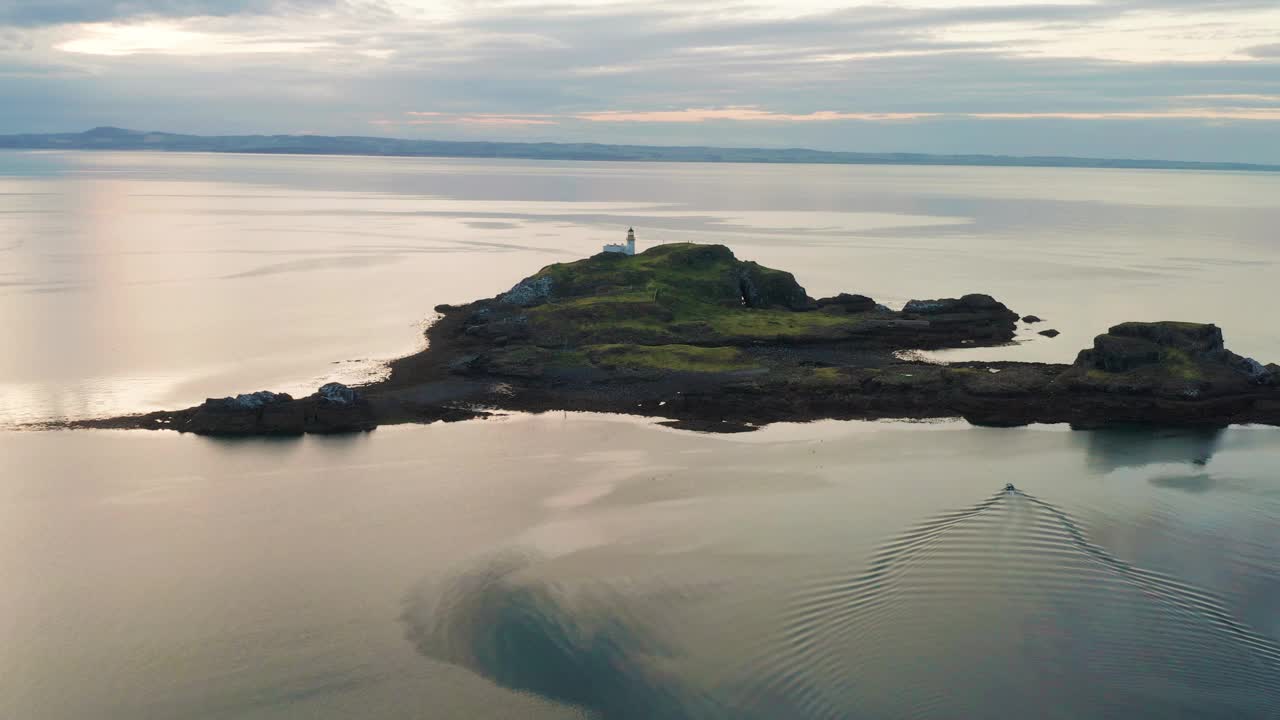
column 572, row 565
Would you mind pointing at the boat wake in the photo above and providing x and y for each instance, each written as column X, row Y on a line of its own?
column 1008, row 605
column 1001, row 609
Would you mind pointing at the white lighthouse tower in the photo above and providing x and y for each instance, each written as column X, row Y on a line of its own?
column 628, row 249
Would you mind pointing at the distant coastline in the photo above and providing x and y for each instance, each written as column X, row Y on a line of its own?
column 110, row 138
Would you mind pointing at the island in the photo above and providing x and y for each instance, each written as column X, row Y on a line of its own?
column 122, row 139
column 695, row 336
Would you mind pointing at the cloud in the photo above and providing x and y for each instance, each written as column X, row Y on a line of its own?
column 835, row 75
column 168, row 38
column 695, row 116
column 1265, row 51
column 737, row 114
column 56, row 12
column 1264, row 114
column 478, row 119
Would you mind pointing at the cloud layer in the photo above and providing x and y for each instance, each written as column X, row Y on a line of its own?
column 58, row 12
column 1162, row 78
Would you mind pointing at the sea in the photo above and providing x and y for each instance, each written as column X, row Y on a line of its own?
column 570, row 565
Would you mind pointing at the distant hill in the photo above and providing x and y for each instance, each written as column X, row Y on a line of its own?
column 111, row 138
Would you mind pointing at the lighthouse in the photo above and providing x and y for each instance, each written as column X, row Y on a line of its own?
column 628, row 249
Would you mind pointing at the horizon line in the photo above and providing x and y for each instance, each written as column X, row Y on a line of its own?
column 125, row 139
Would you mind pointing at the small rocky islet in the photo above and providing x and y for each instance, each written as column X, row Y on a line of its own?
column 691, row 334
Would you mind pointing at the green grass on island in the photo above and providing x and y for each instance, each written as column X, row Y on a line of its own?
column 676, row 294
column 534, row 361
column 681, row 358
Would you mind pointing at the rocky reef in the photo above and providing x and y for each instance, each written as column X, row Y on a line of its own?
column 1169, row 359
column 334, row 408
column 693, row 334
column 1156, row 373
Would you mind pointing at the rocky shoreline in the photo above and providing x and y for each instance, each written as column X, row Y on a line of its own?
column 691, row 334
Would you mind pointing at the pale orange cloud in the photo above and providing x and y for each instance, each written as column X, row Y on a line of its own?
column 1223, row 113
column 502, row 120
column 491, row 119
column 755, row 114
column 742, row 114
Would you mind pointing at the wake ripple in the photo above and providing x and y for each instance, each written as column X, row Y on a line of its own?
column 1006, row 609
column 579, row 646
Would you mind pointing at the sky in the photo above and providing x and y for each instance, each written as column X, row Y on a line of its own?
column 1164, row 79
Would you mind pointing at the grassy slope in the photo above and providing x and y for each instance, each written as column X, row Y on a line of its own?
column 527, row 360
column 684, row 358
column 671, row 294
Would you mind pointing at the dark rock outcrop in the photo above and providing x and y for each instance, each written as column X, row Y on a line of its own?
column 1050, row 333
column 972, row 318
column 529, row 292
column 763, row 288
column 1029, row 319
column 246, row 402
column 1257, row 373
column 335, row 408
column 245, row 414
column 1170, row 359
column 337, row 394
column 1196, row 338
column 972, row 303
column 1119, row 353
column 845, row 302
